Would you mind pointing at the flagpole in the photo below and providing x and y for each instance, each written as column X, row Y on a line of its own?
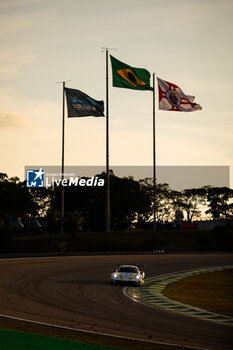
column 63, row 153
column 154, row 158
column 107, row 152
column 62, row 162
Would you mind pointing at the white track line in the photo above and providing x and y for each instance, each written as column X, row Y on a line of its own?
column 92, row 332
column 100, row 333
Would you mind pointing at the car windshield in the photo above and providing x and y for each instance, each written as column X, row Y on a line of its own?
column 128, row 269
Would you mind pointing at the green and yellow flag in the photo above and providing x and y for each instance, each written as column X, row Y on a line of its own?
column 128, row 77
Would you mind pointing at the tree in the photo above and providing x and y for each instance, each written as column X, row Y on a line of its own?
column 190, row 200
column 16, row 200
column 86, row 201
column 74, row 222
column 128, row 201
column 52, row 220
column 164, row 199
column 220, row 202
column 42, row 198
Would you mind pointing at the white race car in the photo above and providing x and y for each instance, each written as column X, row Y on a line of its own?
column 128, row 274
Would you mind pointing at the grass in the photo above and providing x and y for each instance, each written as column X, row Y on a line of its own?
column 212, row 291
column 11, row 340
column 169, row 241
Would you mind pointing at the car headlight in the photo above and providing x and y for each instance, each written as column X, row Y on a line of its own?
column 138, row 277
column 115, row 275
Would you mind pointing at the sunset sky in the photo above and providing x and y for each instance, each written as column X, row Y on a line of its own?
column 189, row 43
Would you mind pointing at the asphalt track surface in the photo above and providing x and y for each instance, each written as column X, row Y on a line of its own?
column 76, row 292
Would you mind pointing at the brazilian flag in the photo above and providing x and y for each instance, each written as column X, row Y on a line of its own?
column 128, row 77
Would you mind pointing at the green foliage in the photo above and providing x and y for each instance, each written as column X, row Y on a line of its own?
column 131, row 204
column 125, row 241
column 190, row 200
column 164, row 199
column 74, row 222
column 220, row 202
column 16, row 199
column 128, row 201
column 52, row 220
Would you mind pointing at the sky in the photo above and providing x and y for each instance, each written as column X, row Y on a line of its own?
column 43, row 42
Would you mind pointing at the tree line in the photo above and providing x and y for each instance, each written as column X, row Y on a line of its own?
column 131, row 204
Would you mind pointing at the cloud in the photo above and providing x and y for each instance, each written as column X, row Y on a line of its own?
column 12, row 121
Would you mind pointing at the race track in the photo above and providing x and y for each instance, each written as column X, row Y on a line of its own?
column 75, row 292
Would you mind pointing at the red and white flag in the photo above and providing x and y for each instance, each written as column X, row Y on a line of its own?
column 172, row 98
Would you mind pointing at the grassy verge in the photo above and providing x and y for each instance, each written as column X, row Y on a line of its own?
column 11, row 340
column 211, row 291
column 220, row 240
